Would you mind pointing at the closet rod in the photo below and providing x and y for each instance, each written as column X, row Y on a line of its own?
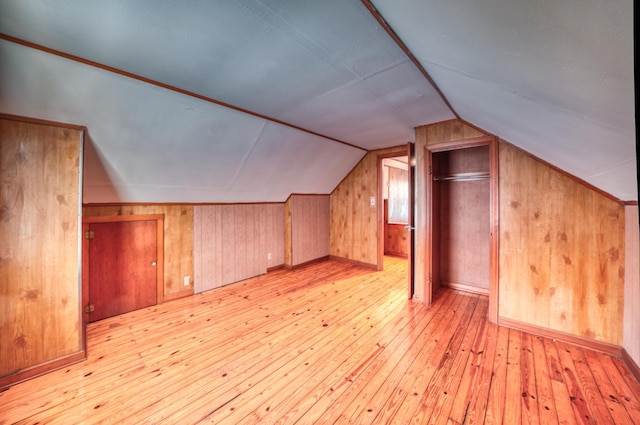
column 460, row 177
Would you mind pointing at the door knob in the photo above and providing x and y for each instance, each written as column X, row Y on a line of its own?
column 153, row 263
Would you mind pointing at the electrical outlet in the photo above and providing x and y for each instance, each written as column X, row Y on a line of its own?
column 269, row 256
column 187, row 280
column 372, row 201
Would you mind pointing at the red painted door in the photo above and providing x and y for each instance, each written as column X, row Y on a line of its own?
column 122, row 267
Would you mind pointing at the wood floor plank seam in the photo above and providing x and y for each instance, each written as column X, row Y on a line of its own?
column 331, row 342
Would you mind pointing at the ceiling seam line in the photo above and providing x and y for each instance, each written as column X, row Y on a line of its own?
column 378, row 17
column 246, row 157
column 165, row 86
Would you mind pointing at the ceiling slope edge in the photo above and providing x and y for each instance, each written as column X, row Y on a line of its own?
column 140, row 78
column 385, row 25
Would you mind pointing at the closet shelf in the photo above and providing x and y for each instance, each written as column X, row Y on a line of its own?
column 461, row 177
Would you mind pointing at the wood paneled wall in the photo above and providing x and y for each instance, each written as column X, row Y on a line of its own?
column 309, row 221
column 178, row 239
column 353, row 226
column 237, row 241
column 447, row 131
column 395, row 240
column 40, row 319
column 632, row 285
column 561, row 251
column 395, row 236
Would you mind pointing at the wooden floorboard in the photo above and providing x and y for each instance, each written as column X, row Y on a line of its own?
column 328, row 343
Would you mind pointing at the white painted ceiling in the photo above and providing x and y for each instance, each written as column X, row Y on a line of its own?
column 554, row 77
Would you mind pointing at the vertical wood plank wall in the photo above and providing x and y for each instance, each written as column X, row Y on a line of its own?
column 39, row 247
column 178, row 239
column 395, row 240
column 309, row 228
column 631, row 338
column 447, row 131
column 233, row 242
column 353, row 225
column 561, row 251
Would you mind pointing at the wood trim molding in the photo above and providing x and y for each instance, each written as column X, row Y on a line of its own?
column 123, row 73
column 191, row 204
column 276, row 268
column 178, row 295
column 465, row 288
column 160, row 258
column 401, row 151
column 461, row 144
column 383, row 23
column 306, row 263
column 494, row 214
column 43, row 122
column 592, row 344
column 356, row 262
column 633, row 367
column 118, row 218
column 494, row 210
column 41, row 369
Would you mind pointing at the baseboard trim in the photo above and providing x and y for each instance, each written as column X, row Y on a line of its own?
column 178, row 295
column 592, row 344
column 631, row 364
column 465, row 288
column 275, row 268
column 46, row 367
column 307, row 263
column 355, row 262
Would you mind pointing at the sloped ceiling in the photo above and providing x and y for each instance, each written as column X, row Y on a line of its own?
column 553, row 77
column 285, row 96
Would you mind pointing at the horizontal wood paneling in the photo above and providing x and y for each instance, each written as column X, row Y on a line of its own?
column 632, row 284
column 561, row 251
column 178, row 239
column 234, row 242
column 39, row 246
column 309, row 228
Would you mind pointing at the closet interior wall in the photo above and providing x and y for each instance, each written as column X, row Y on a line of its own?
column 462, row 195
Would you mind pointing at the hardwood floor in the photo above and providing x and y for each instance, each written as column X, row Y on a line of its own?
column 328, row 343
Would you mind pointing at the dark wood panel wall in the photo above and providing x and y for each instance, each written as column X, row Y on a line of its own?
column 234, row 242
column 40, row 321
column 178, row 239
column 309, row 221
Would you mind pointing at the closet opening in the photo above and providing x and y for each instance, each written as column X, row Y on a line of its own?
column 462, row 189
